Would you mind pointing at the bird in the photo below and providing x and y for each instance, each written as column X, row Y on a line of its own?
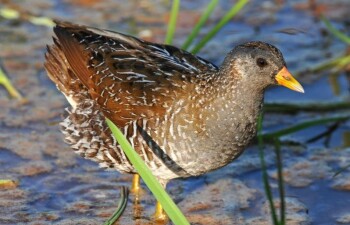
column 182, row 114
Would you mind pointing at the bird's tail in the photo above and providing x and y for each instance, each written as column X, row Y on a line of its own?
column 59, row 71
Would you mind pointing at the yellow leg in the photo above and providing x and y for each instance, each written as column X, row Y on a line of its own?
column 159, row 214
column 137, row 191
column 135, row 187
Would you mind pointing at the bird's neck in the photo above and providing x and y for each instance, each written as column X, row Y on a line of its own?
column 232, row 111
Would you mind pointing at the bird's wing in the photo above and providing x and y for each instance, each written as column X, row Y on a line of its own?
column 129, row 78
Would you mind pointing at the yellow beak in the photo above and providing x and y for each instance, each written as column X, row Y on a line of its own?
column 286, row 79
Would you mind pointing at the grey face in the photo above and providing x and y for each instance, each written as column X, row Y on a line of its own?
column 256, row 62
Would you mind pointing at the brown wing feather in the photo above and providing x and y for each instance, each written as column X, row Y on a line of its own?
column 59, row 70
column 74, row 54
column 129, row 78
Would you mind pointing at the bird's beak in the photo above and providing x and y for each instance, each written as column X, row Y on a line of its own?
column 286, row 79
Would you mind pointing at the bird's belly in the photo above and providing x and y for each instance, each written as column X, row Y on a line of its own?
column 205, row 157
column 197, row 154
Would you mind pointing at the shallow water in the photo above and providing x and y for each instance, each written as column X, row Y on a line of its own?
column 58, row 187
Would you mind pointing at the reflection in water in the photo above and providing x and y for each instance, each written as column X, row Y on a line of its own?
column 137, row 209
column 139, row 214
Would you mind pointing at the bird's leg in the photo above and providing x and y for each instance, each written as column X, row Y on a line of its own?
column 135, row 187
column 159, row 214
column 137, row 191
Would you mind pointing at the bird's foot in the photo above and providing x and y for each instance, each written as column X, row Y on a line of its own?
column 159, row 216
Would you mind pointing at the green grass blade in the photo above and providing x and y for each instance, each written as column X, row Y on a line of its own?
column 343, row 62
column 265, row 176
column 289, row 107
column 338, row 63
column 172, row 23
column 211, row 6
column 280, row 181
column 9, row 14
column 120, row 208
column 233, row 11
column 340, row 35
column 152, row 183
column 304, row 125
column 8, row 85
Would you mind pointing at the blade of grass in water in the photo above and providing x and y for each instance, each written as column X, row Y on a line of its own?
column 211, row 6
column 172, row 23
column 7, row 84
column 289, row 107
column 152, row 183
column 233, row 11
column 265, row 177
column 120, row 208
column 338, row 63
column 304, row 125
column 280, row 181
column 343, row 37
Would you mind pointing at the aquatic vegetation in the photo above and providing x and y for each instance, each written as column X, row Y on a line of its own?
column 172, row 22
column 5, row 81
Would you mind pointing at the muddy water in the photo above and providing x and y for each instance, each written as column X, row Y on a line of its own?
column 57, row 187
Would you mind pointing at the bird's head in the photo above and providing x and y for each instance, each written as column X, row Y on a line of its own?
column 260, row 65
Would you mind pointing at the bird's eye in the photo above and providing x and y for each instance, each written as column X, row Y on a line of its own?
column 261, row 62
